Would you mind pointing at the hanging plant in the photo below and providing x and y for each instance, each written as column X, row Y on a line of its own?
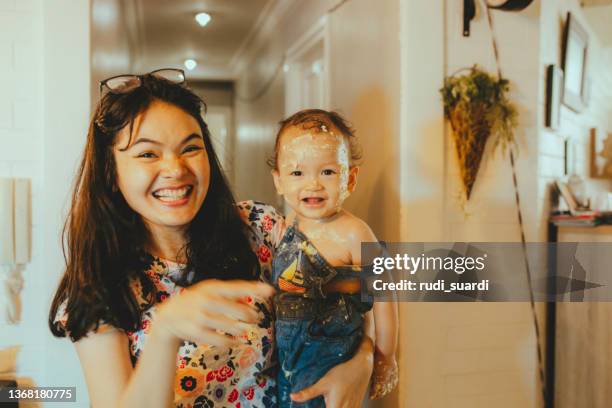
column 477, row 107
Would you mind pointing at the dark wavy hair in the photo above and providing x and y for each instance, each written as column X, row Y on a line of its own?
column 104, row 239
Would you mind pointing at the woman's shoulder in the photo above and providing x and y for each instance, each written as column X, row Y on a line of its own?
column 254, row 211
column 60, row 322
column 267, row 223
column 144, row 286
column 263, row 217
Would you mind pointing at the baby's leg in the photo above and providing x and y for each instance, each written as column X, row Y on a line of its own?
column 305, row 358
column 318, row 356
column 328, row 341
column 284, row 389
column 290, row 339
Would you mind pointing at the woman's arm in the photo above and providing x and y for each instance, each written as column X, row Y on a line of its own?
column 197, row 315
column 111, row 380
column 346, row 384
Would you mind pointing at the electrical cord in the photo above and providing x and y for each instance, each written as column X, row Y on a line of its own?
column 536, row 324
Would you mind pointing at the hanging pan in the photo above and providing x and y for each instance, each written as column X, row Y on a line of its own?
column 510, row 5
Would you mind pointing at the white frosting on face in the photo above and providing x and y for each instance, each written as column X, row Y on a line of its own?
column 310, row 151
column 343, row 160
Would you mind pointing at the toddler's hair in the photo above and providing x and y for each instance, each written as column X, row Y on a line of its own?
column 318, row 119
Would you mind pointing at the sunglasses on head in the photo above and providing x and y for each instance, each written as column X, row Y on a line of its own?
column 121, row 84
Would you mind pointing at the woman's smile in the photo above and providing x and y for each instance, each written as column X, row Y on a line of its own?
column 173, row 196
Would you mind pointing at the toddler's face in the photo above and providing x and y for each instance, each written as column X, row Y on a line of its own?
column 314, row 173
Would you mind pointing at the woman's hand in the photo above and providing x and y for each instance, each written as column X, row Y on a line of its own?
column 211, row 312
column 345, row 385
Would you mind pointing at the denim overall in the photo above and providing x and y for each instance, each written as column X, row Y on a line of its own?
column 314, row 331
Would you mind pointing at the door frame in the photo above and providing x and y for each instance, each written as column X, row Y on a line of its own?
column 317, row 33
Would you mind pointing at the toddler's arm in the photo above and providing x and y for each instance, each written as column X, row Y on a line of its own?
column 385, row 323
column 385, row 365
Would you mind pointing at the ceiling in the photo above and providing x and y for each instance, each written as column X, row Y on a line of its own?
column 162, row 33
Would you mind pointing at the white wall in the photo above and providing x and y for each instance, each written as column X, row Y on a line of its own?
column 484, row 354
column 492, row 202
column 21, row 155
column 365, row 73
column 44, row 110
column 490, row 357
column 66, row 117
column 219, row 99
column 109, row 40
column 422, row 184
column 465, row 355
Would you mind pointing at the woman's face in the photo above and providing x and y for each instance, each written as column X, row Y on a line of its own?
column 164, row 172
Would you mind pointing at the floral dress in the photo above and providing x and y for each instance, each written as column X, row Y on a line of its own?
column 209, row 376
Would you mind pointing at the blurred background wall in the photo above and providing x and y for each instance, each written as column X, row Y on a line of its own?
column 45, row 65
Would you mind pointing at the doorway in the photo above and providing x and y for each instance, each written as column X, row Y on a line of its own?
column 307, row 71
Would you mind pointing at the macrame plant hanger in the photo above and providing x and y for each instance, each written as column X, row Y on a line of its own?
column 536, row 325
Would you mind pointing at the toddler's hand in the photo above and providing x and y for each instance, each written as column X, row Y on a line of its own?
column 384, row 377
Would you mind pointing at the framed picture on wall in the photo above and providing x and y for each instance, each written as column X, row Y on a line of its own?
column 575, row 46
column 554, row 93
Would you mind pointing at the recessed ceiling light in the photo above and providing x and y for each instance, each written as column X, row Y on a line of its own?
column 190, row 64
column 203, row 18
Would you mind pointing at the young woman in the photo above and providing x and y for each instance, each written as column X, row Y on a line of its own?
column 163, row 292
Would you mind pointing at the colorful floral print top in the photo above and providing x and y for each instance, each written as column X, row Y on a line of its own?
column 208, row 376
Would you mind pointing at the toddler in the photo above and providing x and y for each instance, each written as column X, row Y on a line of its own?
column 316, row 267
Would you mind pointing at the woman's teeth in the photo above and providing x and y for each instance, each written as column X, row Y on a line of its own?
column 172, row 194
column 312, row 200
